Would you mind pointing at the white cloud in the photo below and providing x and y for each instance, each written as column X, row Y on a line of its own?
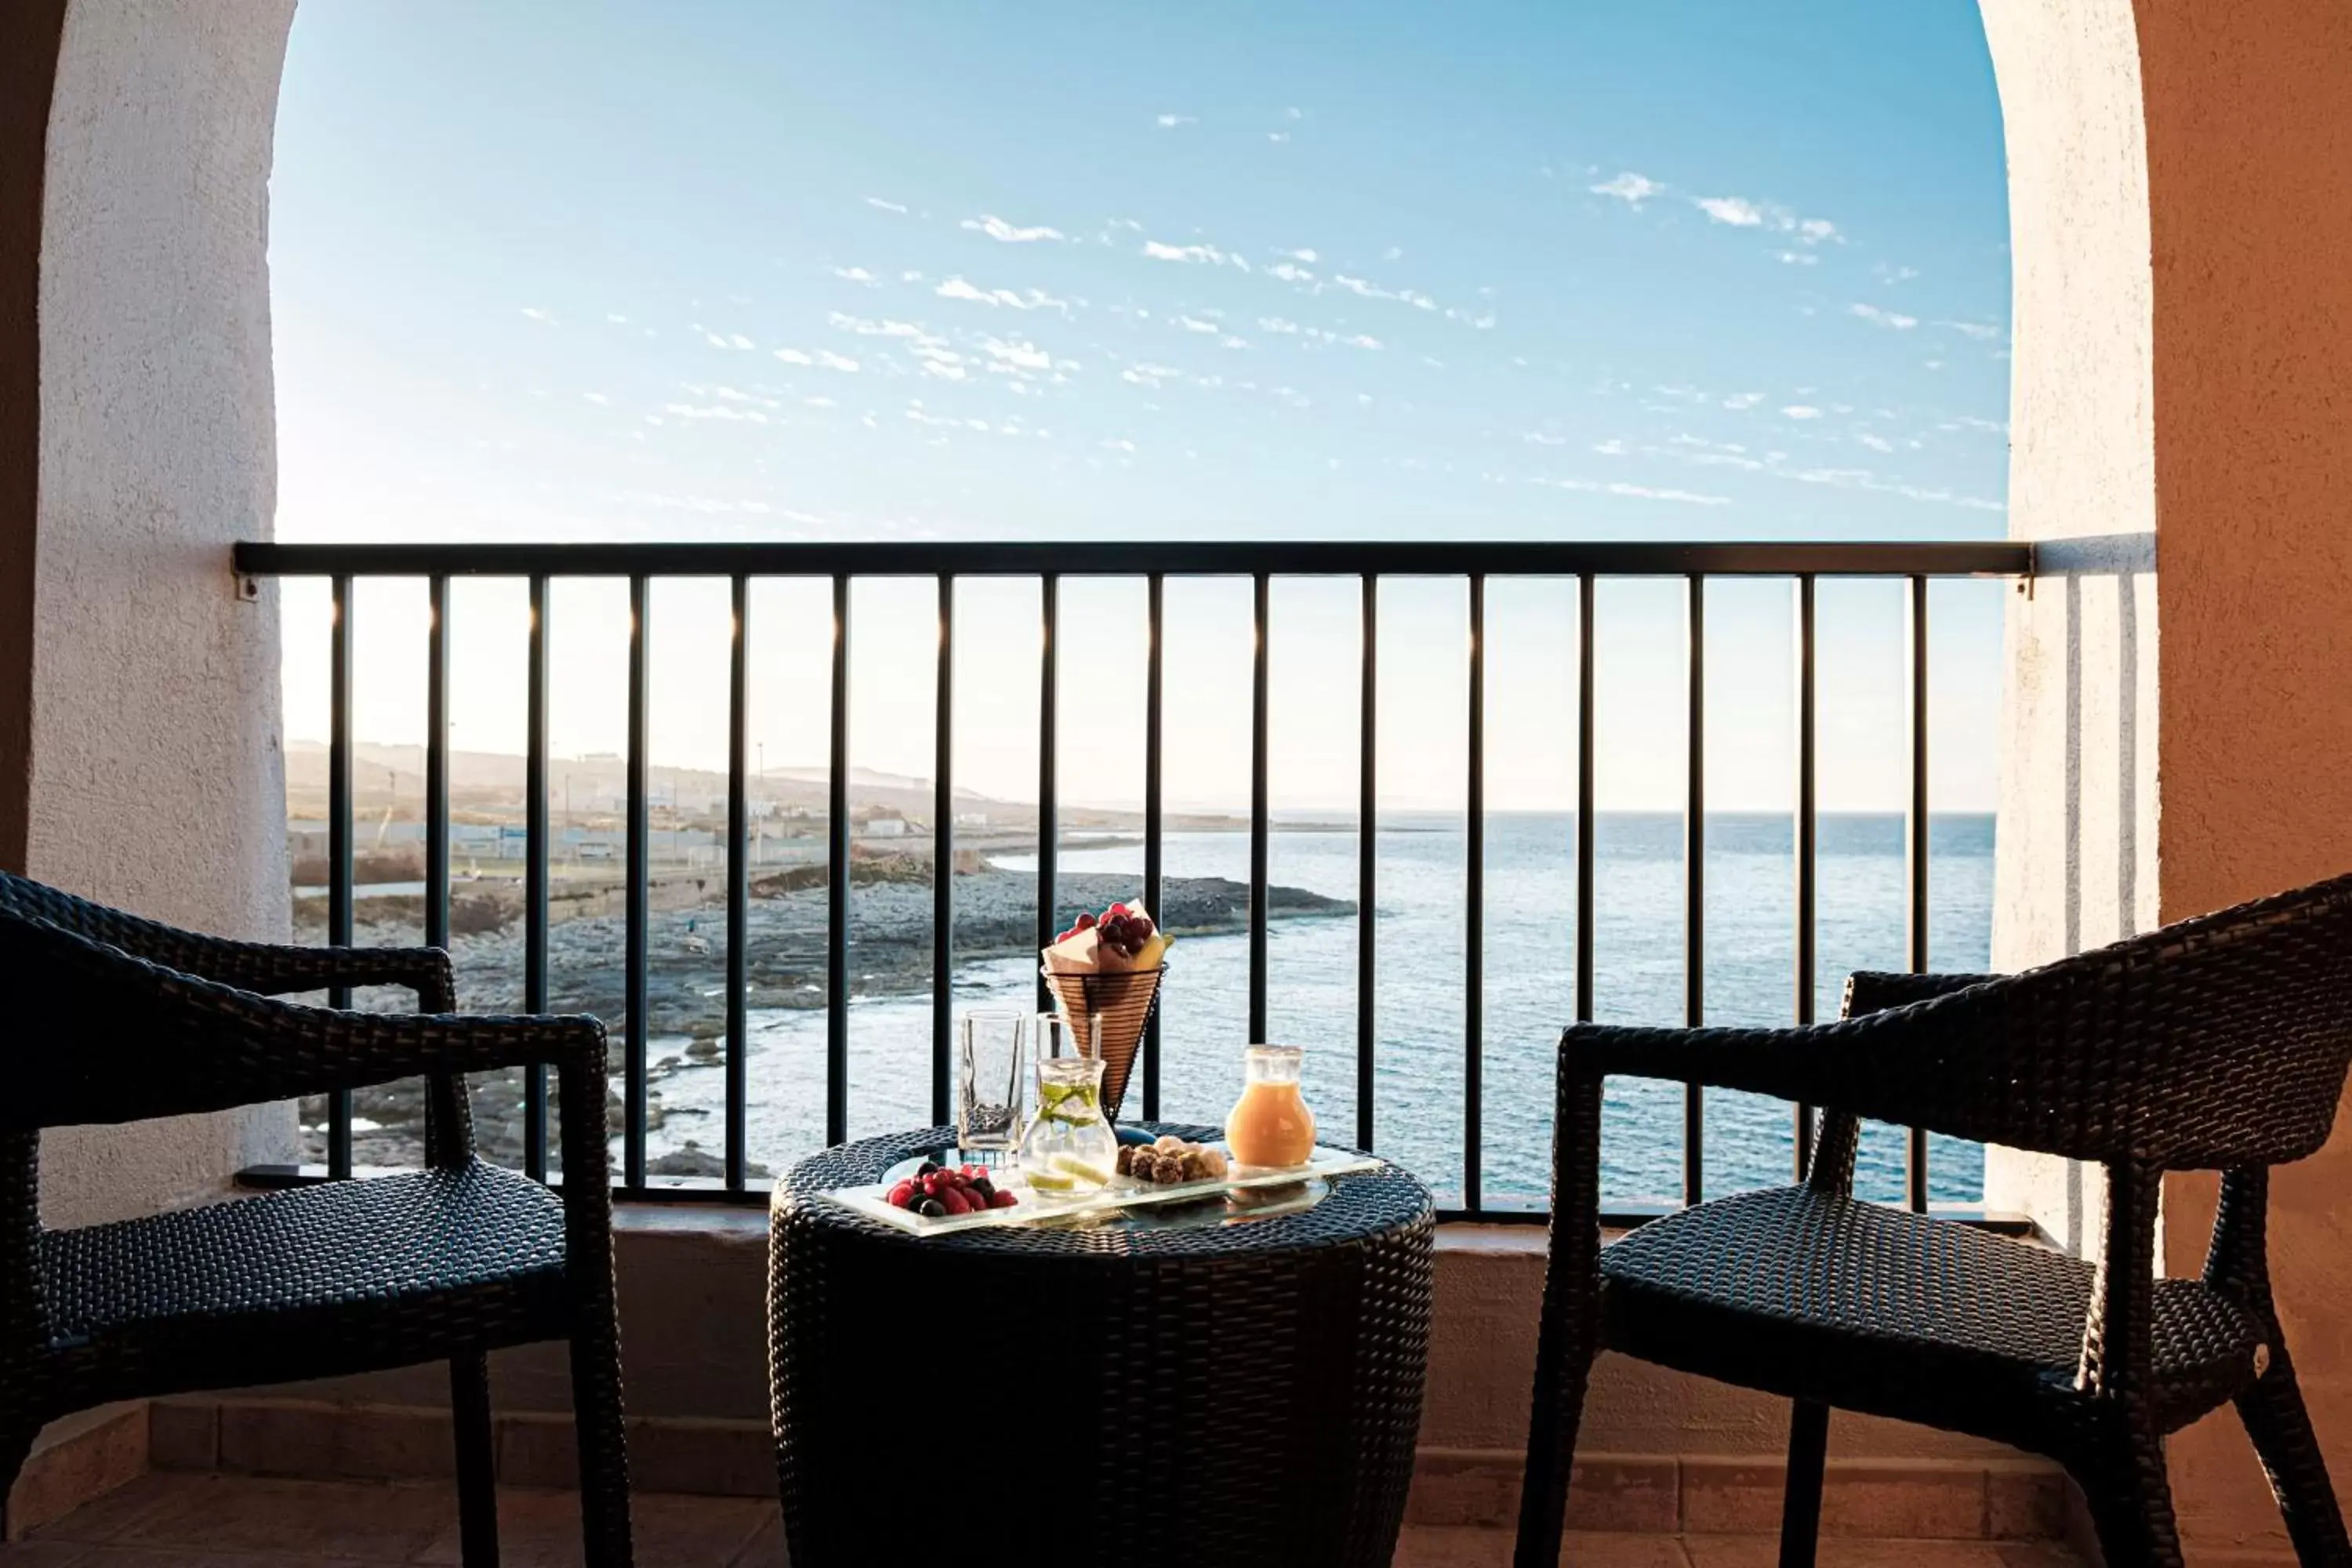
column 819, row 402
column 598, row 398
column 1195, row 324
column 910, row 276
column 1019, row 300
column 832, row 360
column 793, row 356
column 1205, row 253
column 1171, row 121
column 1290, row 274
column 1610, row 448
column 1875, row 443
column 1796, row 258
column 616, row 318
column 1802, row 411
column 1392, row 253
column 1116, row 444
column 1814, row 230
column 885, row 206
column 1983, row 331
column 1878, row 318
column 1278, row 324
column 997, row 228
column 1018, row 355
column 1277, row 135
column 1293, row 114
column 536, row 314
column 1362, row 341
column 1736, row 211
column 1743, row 400
column 1629, row 187
column 857, row 275
column 864, row 328
column 1544, row 439
column 1229, row 342
column 1888, row 274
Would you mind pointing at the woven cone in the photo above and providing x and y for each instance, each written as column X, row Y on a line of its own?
column 1123, row 1001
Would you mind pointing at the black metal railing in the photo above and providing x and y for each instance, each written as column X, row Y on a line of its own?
column 1369, row 562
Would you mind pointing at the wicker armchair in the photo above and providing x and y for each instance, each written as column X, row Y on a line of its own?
column 2217, row 1044
column 119, row 1019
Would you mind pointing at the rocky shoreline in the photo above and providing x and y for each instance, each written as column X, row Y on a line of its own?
column 686, row 967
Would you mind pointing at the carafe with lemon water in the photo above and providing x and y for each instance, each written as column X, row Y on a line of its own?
column 1069, row 1150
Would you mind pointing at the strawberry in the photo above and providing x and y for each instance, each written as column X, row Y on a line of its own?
column 1002, row 1200
column 902, row 1196
column 955, row 1201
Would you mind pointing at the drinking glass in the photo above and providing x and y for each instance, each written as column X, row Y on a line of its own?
column 1056, row 1038
column 991, row 1080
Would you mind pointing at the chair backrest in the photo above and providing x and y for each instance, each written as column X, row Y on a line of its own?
column 2220, row 1041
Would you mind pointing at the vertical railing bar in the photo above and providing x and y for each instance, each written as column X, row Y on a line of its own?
column 638, row 896
column 836, row 894
column 1049, row 826
column 1474, row 922
column 1368, row 857
column 1154, row 804
column 536, row 851
column 1261, row 603
column 738, row 881
column 1807, row 825
column 1915, row 860
column 436, row 762
column 1585, row 837
column 943, row 856
column 339, row 845
column 1695, row 888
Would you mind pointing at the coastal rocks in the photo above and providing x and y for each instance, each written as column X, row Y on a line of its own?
column 686, row 975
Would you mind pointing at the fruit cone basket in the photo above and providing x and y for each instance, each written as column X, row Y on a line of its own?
column 1122, row 1000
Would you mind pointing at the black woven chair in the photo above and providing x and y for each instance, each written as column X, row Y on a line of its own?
column 117, row 1019
column 2217, row 1044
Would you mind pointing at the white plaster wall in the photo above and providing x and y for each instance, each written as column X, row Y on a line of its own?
column 157, row 779
column 2079, row 707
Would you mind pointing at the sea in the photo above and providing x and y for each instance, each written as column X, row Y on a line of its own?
column 1419, row 1111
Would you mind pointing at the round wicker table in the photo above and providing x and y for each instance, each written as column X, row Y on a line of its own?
column 1170, row 1386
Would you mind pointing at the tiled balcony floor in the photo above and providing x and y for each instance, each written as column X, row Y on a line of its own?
column 229, row 1521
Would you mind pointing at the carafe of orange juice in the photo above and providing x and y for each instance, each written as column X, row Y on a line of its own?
column 1270, row 1125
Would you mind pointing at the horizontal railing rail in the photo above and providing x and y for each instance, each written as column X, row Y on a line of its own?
column 1473, row 561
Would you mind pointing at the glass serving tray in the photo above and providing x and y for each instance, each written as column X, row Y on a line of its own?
column 1123, row 1193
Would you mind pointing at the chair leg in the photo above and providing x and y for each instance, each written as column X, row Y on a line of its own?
column 15, row 1448
column 1569, row 1335
column 2275, row 1419
column 2130, row 1498
column 1801, row 1502
column 596, row 1415
column 477, row 1484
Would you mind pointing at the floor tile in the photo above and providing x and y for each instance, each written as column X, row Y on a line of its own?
column 1764, row 1552
column 766, row 1548
column 105, row 1517
column 372, row 1522
column 542, row 1530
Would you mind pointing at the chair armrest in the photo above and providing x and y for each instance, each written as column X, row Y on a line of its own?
column 1941, row 1063
column 1872, row 990
column 117, row 1038
column 271, row 969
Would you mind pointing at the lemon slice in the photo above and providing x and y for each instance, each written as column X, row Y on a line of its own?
column 1052, row 1182
column 1070, row 1165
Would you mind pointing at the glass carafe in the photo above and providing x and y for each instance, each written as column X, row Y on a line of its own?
column 1069, row 1150
column 1270, row 1125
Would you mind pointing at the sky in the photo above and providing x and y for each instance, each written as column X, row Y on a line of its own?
column 1674, row 270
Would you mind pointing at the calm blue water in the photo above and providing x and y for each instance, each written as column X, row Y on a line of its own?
column 1529, row 978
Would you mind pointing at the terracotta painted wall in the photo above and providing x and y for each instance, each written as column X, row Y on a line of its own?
column 2250, row 168
column 2181, row 210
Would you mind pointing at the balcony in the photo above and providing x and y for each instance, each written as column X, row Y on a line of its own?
column 2179, row 335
